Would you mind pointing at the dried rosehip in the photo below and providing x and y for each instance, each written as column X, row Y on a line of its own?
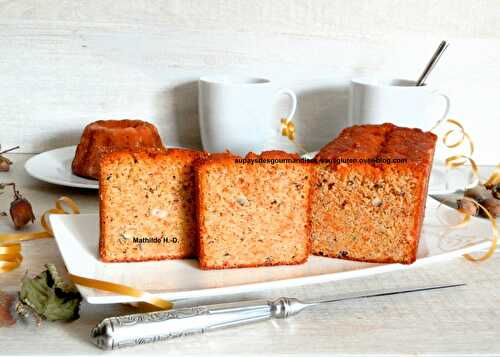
column 21, row 212
column 468, row 207
column 4, row 162
column 4, row 165
column 495, row 191
column 493, row 206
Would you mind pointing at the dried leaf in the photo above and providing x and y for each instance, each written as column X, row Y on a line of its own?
column 50, row 297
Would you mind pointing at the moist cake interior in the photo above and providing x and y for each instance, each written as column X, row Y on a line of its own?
column 372, row 215
column 253, row 215
column 147, row 207
column 371, row 208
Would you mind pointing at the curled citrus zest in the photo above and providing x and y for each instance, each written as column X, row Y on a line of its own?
column 465, row 220
column 459, row 160
column 122, row 290
column 494, row 178
column 288, row 130
column 494, row 237
column 10, row 257
column 464, row 136
column 10, row 254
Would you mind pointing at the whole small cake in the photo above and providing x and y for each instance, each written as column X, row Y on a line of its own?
column 253, row 211
column 147, row 205
column 370, row 193
column 110, row 135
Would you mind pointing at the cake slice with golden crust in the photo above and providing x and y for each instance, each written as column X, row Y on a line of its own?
column 253, row 211
column 370, row 193
column 147, row 205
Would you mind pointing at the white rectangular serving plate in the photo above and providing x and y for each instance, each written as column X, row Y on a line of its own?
column 78, row 239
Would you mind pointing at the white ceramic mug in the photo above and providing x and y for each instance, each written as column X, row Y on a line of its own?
column 236, row 113
column 397, row 101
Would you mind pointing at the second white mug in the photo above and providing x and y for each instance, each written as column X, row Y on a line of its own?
column 397, row 101
column 236, row 113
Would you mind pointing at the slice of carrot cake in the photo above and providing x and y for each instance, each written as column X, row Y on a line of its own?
column 369, row 198
column 253, row 211
column 147, row 205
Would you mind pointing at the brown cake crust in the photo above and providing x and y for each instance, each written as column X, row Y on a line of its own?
column 157, row 159
column 223, row 161
column 105, row 136
column 388, row 142
column 382, row 141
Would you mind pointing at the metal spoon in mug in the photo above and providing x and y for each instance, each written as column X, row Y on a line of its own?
column 432, row 63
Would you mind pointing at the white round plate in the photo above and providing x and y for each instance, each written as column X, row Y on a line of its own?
column 54, row 166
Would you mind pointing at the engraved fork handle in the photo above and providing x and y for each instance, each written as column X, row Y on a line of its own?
column 131, row 330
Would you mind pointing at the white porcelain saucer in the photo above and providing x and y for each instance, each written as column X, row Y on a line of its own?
column 54, row 166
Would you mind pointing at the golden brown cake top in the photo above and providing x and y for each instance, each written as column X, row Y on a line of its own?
column 120, row 124
column 120, row 134
column 151, row 153
column 380, row 141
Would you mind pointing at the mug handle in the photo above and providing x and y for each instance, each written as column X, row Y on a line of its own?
column 293, row 97
column 446, row 108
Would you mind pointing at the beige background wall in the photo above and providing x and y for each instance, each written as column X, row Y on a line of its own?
column 66, row 63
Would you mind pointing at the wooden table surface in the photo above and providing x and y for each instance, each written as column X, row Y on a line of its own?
column 462, row 321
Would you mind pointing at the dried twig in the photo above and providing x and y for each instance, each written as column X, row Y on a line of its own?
column 8, row 150
column 17, row 194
